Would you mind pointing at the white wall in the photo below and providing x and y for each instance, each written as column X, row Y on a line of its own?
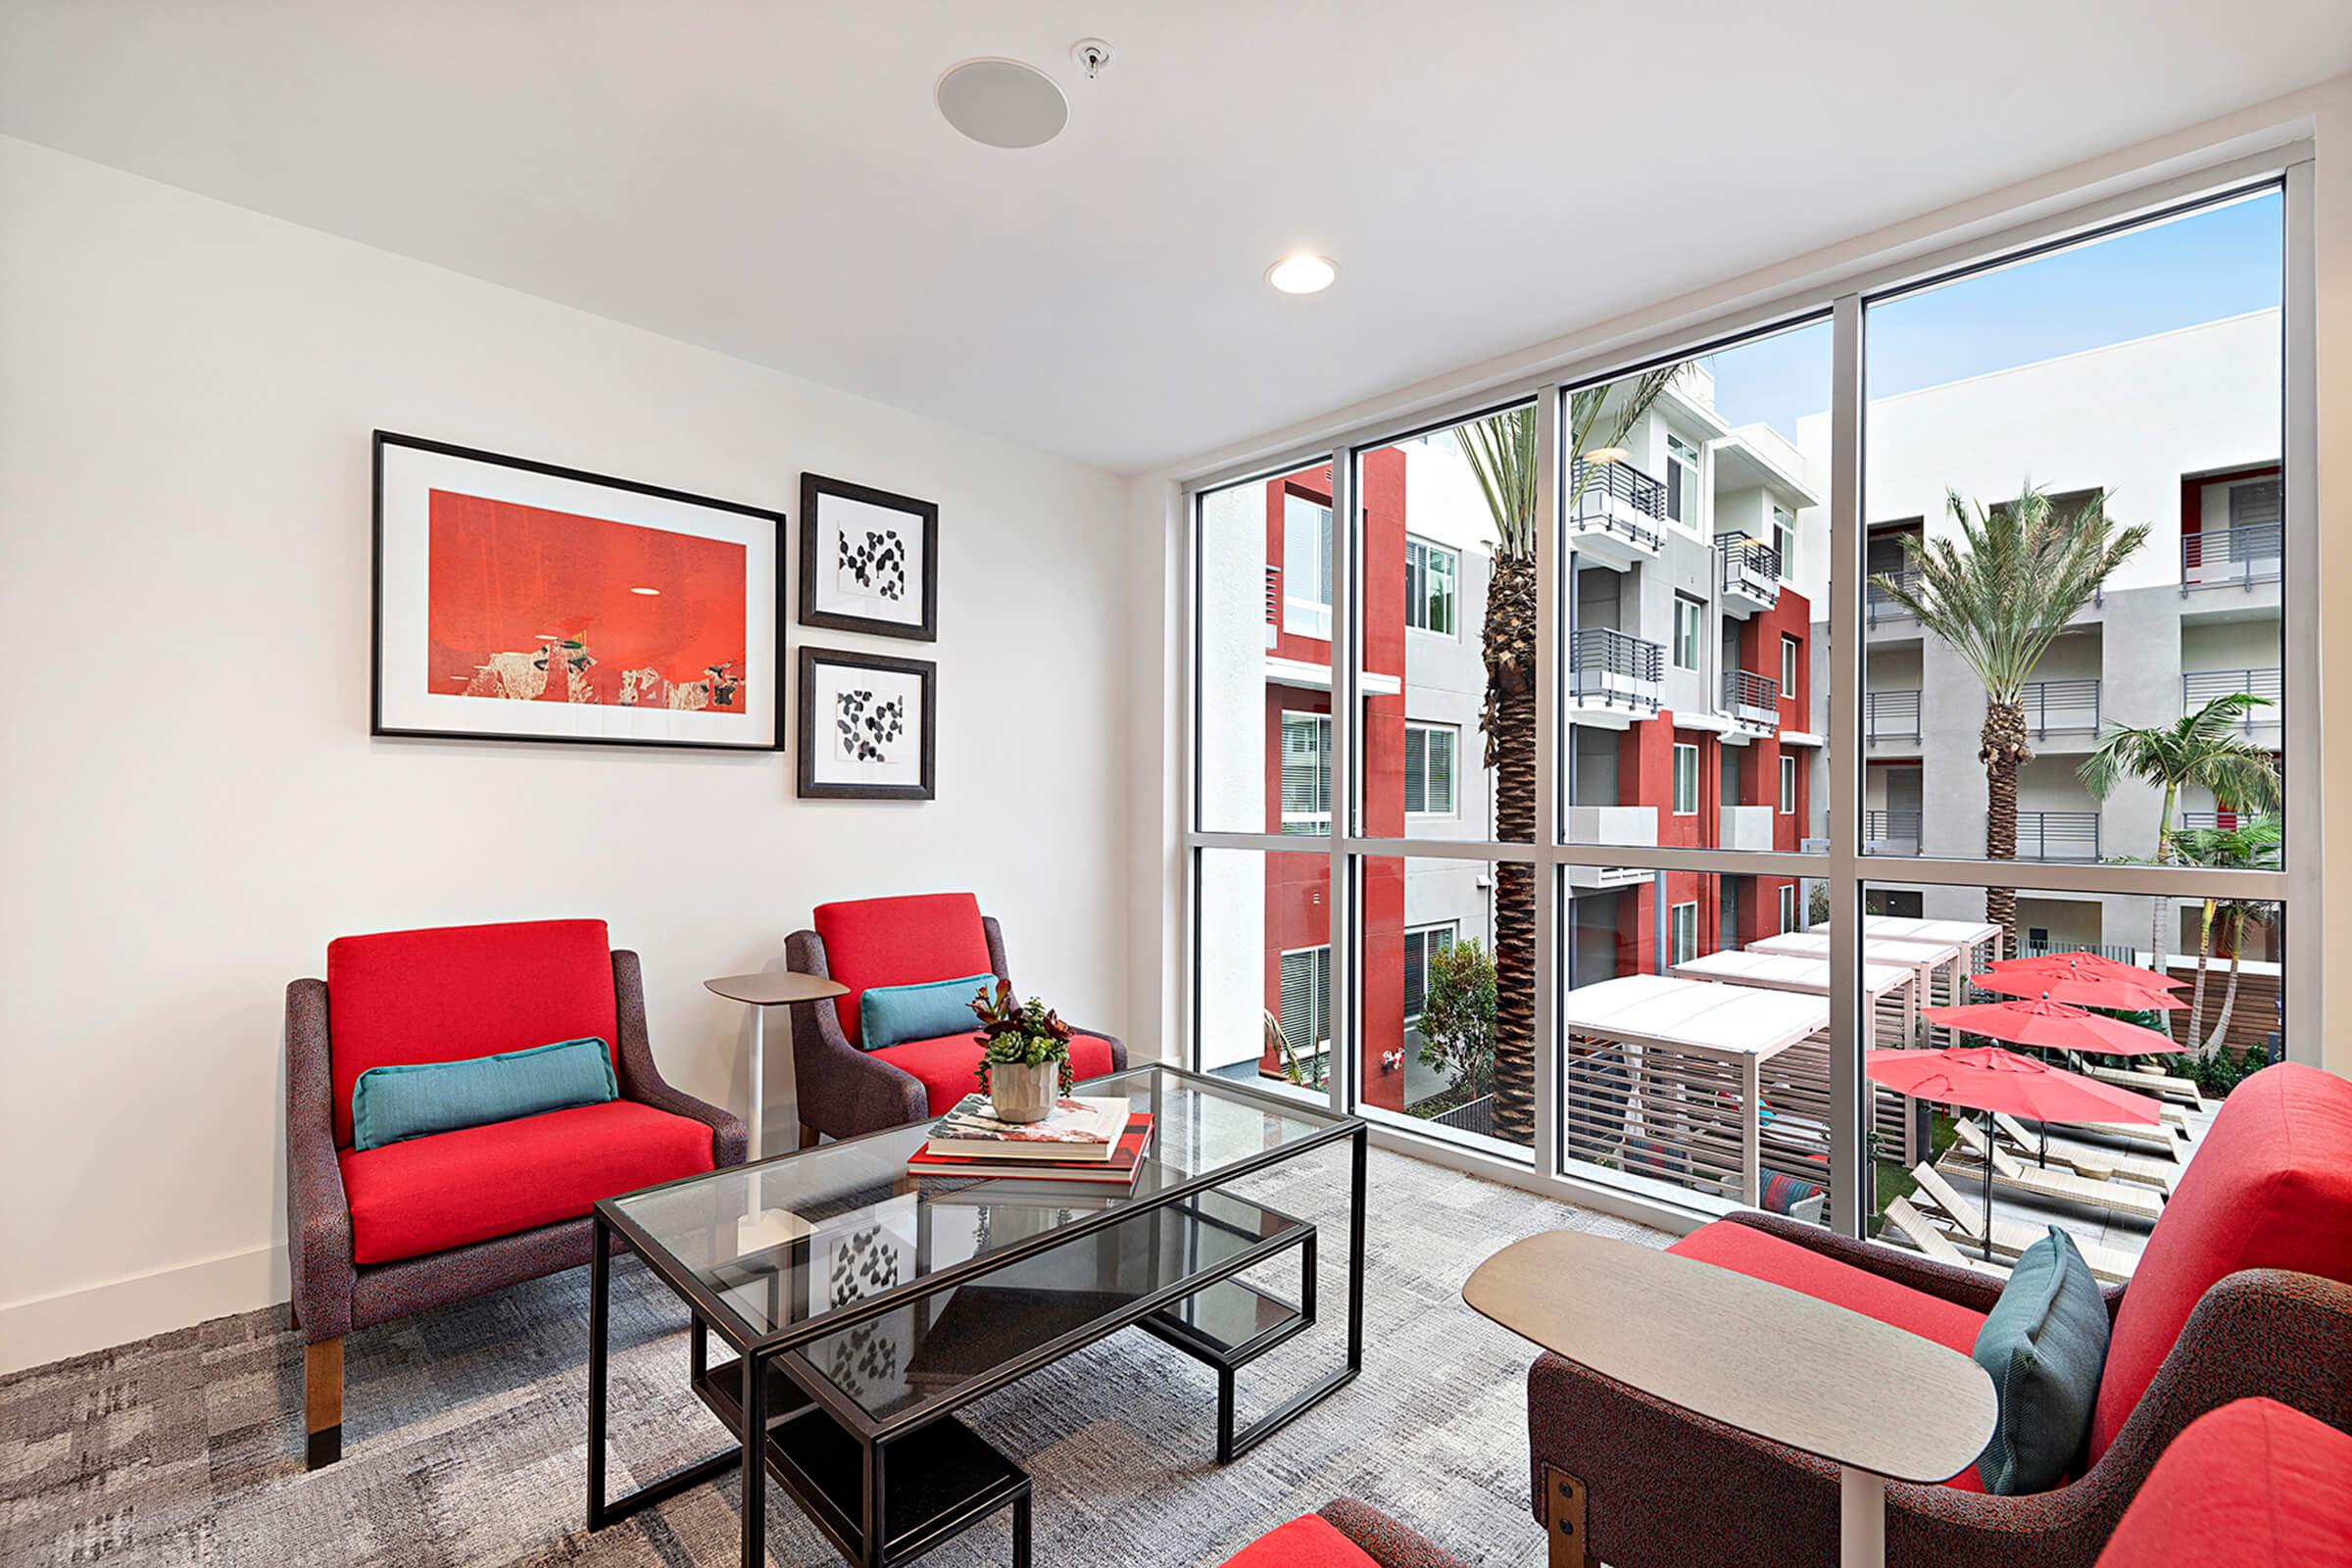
column 192, row 803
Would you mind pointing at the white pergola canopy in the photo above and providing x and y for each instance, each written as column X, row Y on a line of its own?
column 1729, row 1019
column 1784, row 971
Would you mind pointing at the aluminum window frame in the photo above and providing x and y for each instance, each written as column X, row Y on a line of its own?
column 1837, row 291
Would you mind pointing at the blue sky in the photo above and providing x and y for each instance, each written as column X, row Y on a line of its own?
column 2215, row 263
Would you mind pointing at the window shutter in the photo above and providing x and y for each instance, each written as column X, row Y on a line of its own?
column 1416, row 767
column 1306, row 771
column 1440, row 770
column 1299, row 1000
column 1417, row 971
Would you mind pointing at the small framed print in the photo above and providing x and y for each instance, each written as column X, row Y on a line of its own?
column 518, row 601
column 867, row 726
column 869, row 559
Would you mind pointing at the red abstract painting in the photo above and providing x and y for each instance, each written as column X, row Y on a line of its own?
column 528, row 605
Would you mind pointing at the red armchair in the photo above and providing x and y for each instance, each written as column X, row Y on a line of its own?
column 844, row 1090
column 2242, row 1293
column 1343, row 1534
column 2252, row 1485
column 378, row 1234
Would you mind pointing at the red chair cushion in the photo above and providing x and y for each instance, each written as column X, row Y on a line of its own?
column 430, row 1195
column 2269, row 1187
column 1745, row 1249
column 2252, row 1485
column 463, row 991
column 900, row 941
column 1310, row 1541
column 948, row 1065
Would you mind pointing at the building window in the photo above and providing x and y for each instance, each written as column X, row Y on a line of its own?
column 2254, row 501
column 1789, row 907
column 1430, row 574
column 1682, row 482
column 1305, row 1015
column 1306, row 773
column 1686, row 779
column 1787, row 786
column 1422, row 944
column 1789, row 645
column 1784, row 540
column 1429, row 751
column 1683, row 933
column 1687, row 614
column 1305, row 566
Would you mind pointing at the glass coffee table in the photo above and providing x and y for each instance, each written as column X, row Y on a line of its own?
column 865, row 1306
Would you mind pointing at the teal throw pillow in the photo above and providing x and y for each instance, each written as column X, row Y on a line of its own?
column 891, row 1015
column 412, row 1100
column 2044, row 1345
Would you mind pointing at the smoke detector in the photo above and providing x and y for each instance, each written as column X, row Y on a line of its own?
column 1002, row 103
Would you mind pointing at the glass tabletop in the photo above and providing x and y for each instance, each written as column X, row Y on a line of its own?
column 783, row 1243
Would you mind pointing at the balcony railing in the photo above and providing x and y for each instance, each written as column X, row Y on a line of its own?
column 2061, row 704
column 1610, row 498
column 2201, row 686
column 1750, row 569
column 2190, row 822
column 2057, row 835
column 1751, row 698
column 1879, row 604
column 1614, row 669
column 2231, row 558
column 1890, row 832
column 1891, row 715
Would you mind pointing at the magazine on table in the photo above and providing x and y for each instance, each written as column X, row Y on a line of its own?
column 1077, row 1128
column 1118, row 1170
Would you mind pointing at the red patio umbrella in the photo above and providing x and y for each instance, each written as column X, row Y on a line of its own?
column 2087, row 965
column 2084, row 989
column 1995, row 1081
column 2045, row 1022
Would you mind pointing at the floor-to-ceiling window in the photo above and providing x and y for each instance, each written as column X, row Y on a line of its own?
column 1520, row 743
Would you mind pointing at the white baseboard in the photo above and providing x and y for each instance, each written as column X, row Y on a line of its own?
column 95, row 1317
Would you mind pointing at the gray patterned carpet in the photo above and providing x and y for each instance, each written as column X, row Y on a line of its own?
column 464, row 1430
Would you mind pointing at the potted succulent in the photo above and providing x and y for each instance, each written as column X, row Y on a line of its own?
column 1024, row 1055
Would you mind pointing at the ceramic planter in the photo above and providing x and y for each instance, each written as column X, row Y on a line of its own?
column 1022, row 1093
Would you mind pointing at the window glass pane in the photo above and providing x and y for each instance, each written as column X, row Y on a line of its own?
column 1263, row 650
column 2103, row 1178
column 1706, row 636
column 1437, row 999
column 1264, row 1010
column 1449, row 551
column 2120, row 398
column 1306, row 773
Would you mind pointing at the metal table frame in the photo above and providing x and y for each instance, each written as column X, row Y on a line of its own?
column 779, row 1350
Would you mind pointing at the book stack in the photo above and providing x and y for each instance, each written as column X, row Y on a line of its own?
column 1081, row 1139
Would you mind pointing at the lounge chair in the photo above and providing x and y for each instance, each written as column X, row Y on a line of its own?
column 2148, row 1081
column 2010, row 1237
column 1924, row 1235
column 2068, row 1187
column 2166, row 1138
column 2096, row 1163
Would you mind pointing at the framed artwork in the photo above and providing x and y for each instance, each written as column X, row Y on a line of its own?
column 869, row 559
column 519, row 601
column 867, row 726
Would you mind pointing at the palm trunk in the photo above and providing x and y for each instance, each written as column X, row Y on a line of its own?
column 2221, row 1025
column 2196, row 996
column 2001, row 748
column 1509, row 723
column 2161, row 911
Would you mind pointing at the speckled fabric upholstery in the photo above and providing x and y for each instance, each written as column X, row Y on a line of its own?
column 844, row 1091
column 331, row 1294
column 1382, row 1540
column 1663, row 1482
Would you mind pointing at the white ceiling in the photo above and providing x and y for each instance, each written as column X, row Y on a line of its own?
column 771, row 180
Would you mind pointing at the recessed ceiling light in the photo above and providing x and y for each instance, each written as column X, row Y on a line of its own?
column 646, row 591
column 1002, row 103
column 1303, row 272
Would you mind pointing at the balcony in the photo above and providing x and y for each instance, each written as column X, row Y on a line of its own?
column 1753, row 701
column 1890, row 832
column 1613, row 679
column 2061, row 706
column 1633, row 825
column 1744, row 828
column 1616, row 514
column 2057, row 835
column 2231, row 558
column 2201, row 686
column 1749, row 576
column 1891, row 715
column 1879, row 604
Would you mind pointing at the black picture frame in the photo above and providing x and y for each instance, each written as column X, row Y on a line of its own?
column 811, row 725
column 813, row 488
column 376, row 724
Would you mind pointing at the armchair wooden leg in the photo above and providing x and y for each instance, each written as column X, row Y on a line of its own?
column 1564, row 1521
column 808, row 1135
column 322, row 1402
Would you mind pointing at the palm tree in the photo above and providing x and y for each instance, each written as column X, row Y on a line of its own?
column 1998, row 596
column 1500, row 449
column 2207, row 750
column 2251, row 842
